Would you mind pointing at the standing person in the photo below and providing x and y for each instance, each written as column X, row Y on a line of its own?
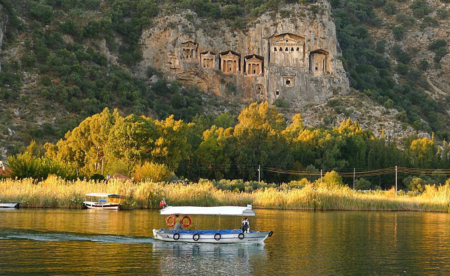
column 245, row 225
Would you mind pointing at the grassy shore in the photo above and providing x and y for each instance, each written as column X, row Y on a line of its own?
column 57, row 193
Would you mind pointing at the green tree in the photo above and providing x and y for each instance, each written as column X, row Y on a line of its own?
column 362, row 184
column 212, row 154
column 258, row 138
column 398, row 32
column 42, row 12
column 131, row 140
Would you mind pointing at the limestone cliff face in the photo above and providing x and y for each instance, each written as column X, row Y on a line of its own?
column 292, row 55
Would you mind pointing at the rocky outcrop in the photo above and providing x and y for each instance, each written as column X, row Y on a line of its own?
column 292, row 55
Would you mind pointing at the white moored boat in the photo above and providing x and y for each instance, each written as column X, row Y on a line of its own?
column 208, row 236
column 103, row 203
column 10, row 205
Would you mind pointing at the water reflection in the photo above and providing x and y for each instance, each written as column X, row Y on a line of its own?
column 208, row 259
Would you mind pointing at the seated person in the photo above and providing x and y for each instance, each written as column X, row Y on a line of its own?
column 178, row 226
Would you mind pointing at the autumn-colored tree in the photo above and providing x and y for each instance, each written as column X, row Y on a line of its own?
column 84, row 146
column 150, row 171
column 294, row 129
column 171, row 145
column 331, row 180
column 423, row 153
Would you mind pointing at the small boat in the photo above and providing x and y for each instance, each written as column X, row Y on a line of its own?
column 103, row 203
column 208, row 236
column 10, row 205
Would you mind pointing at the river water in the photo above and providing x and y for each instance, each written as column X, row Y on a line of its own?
column 80, row 242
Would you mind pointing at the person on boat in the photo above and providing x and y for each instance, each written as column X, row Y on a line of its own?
column 245, row 225
column 178, row 226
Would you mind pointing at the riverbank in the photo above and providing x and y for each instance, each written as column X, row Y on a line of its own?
column 57, row 193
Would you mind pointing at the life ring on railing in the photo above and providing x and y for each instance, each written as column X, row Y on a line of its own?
column 188, row 223
column 170, row 224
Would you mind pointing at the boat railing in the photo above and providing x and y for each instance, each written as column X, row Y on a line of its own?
column 202, row 232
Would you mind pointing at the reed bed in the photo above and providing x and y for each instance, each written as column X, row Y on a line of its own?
column 57, row 193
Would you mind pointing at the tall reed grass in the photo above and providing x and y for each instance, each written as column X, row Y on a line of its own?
column 57, row 193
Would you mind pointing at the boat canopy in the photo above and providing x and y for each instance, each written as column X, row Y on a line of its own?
column 221, row 210
column 103, row 195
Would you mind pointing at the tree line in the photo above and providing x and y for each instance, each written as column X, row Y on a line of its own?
column 225, row 147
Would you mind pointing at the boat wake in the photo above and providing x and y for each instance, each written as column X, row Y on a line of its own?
column 14, row 234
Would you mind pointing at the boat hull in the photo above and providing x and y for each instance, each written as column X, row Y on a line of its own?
column 210, row 236
column 15, row 205
column 101, row 206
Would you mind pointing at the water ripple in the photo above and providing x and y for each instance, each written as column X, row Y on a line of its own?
column 15, row 234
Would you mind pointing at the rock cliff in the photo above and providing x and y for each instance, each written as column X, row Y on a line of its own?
column 292, row 55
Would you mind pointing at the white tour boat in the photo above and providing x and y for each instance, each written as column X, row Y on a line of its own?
column 208, row 236
column 103, row 203
column 10, row 205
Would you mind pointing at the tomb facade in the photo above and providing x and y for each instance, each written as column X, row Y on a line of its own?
column 319, row 64
column 230, row 62
column 208, row 60
column 287, row 50
column 172, row 61
column 253, row 65
column 189, row 51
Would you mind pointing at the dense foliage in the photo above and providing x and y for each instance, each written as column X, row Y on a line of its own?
column 108, row 143
column 370, row 71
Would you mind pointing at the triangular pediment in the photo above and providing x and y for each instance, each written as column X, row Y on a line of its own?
column 287, row 38
column 319, row 52
column 207, row 53
column 229, row 54
column 189, row 44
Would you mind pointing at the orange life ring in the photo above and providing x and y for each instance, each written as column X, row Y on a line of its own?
column 188, row 223
column 170, row 224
